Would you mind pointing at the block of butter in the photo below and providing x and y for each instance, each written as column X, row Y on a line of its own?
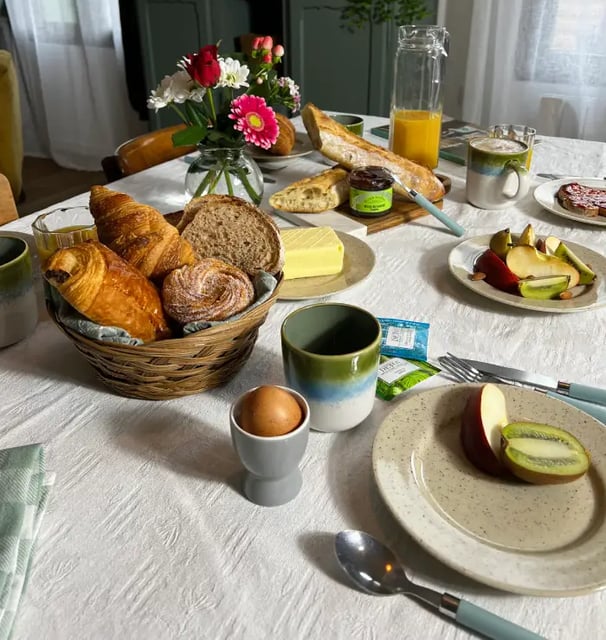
column 314, row 251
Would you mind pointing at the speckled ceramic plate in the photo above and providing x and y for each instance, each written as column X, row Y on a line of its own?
column 545, row 195
column 358, row 262
column 463, row 256
column 542, row 540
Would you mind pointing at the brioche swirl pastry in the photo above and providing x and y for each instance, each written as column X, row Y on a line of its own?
column 205, row 291
column 138, row 233
column 107, row 290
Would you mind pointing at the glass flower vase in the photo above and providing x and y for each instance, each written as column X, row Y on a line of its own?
column 224, row 170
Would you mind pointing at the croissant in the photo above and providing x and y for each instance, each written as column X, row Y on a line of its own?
column 138, row 233
column 107, row 290
column 208, row 290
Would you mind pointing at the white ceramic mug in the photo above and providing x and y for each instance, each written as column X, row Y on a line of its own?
column 496, row 172
column 18, row 304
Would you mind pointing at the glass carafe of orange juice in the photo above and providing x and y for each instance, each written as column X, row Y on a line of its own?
column 416, row 103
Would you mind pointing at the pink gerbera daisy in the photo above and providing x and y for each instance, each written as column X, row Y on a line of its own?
column 255, row 119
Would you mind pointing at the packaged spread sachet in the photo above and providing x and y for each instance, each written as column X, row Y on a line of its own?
column 314, row 251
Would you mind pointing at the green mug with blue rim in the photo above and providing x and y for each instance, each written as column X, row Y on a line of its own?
column 18, row 303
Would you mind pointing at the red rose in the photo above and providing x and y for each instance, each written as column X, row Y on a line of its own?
column 203, row 67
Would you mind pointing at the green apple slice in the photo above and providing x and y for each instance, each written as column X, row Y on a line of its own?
column 545, row 288
column 542, row 454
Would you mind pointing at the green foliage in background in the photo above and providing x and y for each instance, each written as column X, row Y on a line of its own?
column 358, row 13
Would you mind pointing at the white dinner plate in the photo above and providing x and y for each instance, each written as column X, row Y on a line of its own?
column 302, row 147
column 358, row 262
column 545, row 195
column 461, row 260
column 532, row 539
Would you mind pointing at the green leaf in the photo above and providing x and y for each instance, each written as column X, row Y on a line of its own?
column 189, row 136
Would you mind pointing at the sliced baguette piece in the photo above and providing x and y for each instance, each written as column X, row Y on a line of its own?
column 230, row 229
column 334, row 141
column 314, row 194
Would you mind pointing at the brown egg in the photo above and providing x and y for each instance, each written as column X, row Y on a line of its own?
column 270, row 411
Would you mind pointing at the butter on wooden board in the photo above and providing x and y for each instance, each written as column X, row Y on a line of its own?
column 316, row 251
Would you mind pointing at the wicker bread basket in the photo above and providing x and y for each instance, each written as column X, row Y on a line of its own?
column 176, row 367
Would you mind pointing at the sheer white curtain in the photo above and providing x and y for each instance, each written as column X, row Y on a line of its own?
column 538, row 62
column 69, row 54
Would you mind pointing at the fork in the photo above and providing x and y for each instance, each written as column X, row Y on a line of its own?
column 464, row 372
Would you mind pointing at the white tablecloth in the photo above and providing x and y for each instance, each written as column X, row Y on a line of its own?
column 147, row 534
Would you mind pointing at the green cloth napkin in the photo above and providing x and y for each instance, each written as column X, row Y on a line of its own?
column 24, row 488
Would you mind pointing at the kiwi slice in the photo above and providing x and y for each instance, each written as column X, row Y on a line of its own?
column 542, row 454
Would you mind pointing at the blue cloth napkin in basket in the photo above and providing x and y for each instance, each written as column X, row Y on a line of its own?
column 24, row 488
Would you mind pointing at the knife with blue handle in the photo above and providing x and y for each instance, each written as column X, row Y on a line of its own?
column 570, row 389
column 455, row 227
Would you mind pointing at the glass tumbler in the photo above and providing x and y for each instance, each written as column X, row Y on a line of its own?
column 62, row 228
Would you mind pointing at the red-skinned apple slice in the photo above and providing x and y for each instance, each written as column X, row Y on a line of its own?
column 497, row 272
column 484, row 417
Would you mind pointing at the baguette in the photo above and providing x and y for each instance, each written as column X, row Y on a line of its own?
column 235, row 231
column 334, row 141
column 314, row 194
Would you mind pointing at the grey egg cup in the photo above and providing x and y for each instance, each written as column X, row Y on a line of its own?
column 272, row 476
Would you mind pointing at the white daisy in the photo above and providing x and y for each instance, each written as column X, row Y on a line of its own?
column 233, row 74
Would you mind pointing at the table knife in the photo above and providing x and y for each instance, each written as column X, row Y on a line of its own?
column 538, row 381
column 557, row 176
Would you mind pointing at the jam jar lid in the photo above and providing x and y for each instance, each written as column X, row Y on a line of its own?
column 370, row 178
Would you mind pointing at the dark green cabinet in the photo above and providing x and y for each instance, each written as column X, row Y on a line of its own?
column 337, row 69
column 169, row 29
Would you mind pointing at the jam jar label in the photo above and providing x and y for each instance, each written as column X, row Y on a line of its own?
column 370, row 202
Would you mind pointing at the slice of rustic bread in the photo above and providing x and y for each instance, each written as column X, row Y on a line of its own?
column 314, row 194
column 235, row 231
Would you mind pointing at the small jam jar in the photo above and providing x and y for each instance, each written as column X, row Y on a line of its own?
column 370, row 191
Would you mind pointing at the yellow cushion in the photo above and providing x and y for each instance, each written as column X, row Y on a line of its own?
column 11, row 136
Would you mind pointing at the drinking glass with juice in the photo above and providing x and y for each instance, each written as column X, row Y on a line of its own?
column 415, row 134
column 62, row 228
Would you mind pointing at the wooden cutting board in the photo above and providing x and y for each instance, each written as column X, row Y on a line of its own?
column 402, row 211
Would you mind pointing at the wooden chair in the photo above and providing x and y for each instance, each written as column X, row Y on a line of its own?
column 8, row 210
column 142, row 152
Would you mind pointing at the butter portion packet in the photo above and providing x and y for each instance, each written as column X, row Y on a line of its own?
column 404, row 338
column 396, row 375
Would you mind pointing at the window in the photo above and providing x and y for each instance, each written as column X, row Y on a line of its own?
column 562, row 42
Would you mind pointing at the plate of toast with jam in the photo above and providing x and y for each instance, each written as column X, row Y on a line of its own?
column 580, row 199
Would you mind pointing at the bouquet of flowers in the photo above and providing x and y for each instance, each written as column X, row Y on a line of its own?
column 226, row 103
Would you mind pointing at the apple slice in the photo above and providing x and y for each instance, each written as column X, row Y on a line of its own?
column 542, row 454
column 525, row 261
column 545, row 288
column 484, row 416
column 551, row 244
column 497, row 272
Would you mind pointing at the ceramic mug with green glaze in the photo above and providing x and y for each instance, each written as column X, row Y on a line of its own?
column 18, row 305
column 355, row 124
column 330, row 353
column 497, row 176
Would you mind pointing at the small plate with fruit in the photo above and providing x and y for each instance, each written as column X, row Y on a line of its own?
column 501, row 483
column 536, row 273
column 580, row 199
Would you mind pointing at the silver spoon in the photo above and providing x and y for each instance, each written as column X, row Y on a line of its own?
column 375, row 569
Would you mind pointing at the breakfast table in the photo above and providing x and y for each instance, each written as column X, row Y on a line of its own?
column 147, row 533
